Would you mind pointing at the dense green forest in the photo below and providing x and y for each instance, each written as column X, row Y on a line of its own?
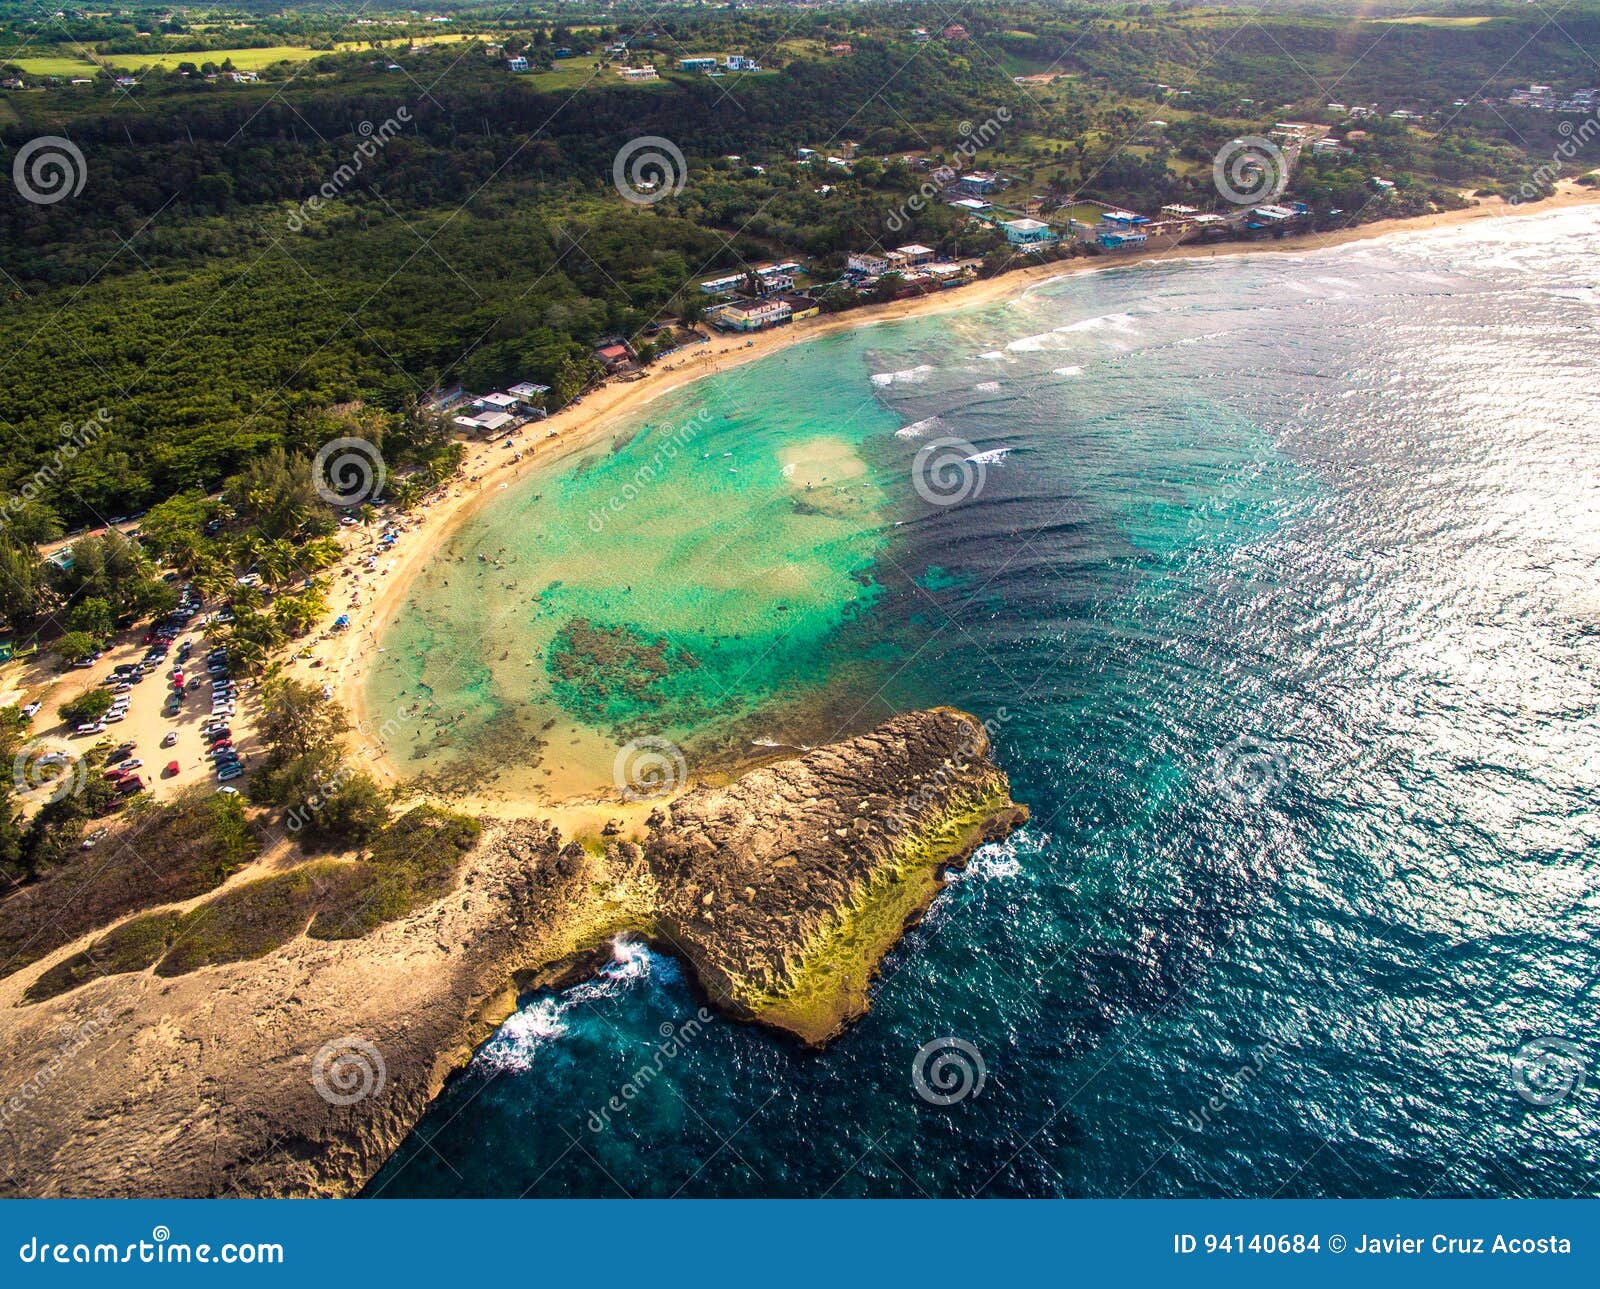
column 189, row 304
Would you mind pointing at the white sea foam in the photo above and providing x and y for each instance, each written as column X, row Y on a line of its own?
column 987, row 386
column 992, row 457
column 1066, row 371
column 1037, row 344
column 918, row 428
column 908, row 376
column 1004, row 860
column 1121, row 322
column 517, row 1043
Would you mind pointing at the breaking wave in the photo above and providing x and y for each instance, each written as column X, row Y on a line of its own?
column 909, row 376
column 517, row 1043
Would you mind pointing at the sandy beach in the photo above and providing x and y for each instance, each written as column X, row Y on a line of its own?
column 576, row 428
column 373, row 597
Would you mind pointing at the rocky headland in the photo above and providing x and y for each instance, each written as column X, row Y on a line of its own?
column 300, row 1070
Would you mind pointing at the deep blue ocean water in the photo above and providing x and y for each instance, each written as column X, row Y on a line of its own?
column 1276, row 576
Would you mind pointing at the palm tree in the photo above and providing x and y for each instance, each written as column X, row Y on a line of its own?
column 275, row 560
column 297, row 613
column 213, row 581
column 319, row 553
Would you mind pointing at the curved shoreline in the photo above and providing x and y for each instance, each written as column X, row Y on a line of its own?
column 578, row 427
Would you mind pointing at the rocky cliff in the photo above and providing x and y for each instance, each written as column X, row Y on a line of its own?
column 300, row 1071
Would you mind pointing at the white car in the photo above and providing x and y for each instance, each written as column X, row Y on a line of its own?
column 91, row 727
column 32, row 709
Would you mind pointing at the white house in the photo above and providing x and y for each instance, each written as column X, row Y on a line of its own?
column 1028, row 232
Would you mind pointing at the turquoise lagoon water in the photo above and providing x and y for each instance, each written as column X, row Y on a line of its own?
column 1276, row 576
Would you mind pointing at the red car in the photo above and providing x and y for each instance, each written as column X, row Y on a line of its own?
column 172, row 768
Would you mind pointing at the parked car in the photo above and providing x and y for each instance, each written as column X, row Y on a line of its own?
column 169, row 738
column 232, row 772
column 172, row 768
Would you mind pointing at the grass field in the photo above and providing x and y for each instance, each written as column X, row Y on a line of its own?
column 1084, row 212
column 245, row 60
column 53, row 65
column 1427, row 20
column 433, row 38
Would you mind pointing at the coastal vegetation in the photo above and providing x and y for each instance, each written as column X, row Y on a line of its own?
column 485, row 243
column 308, row 771
column 167, row 853
column 411, row 863
column 826, row 982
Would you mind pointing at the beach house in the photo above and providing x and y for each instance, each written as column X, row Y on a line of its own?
column 751, row 315
column 1028, row 233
